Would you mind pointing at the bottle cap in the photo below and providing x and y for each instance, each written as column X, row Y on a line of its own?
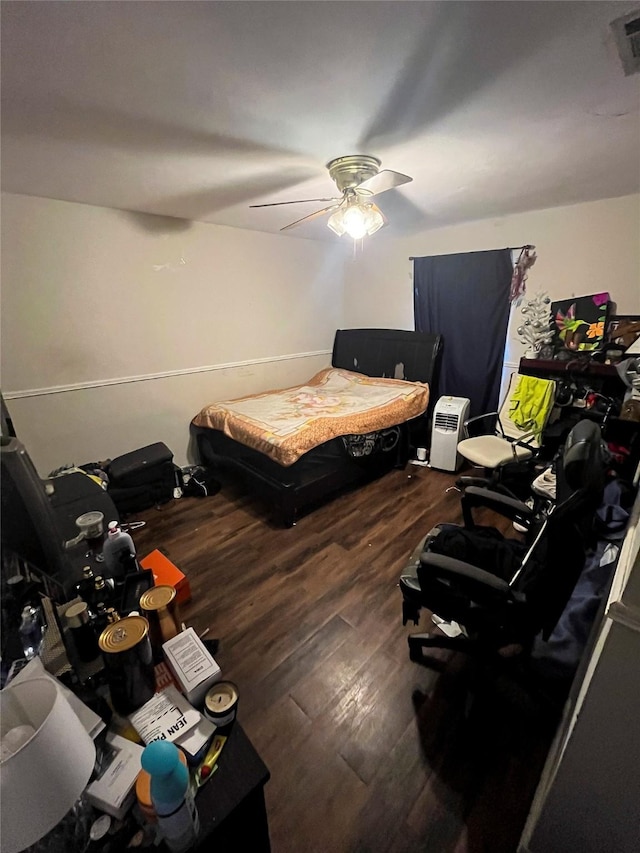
column 113, row 528
column 100, row 827
column 77, row 615
column 160, row 757
column 124, row 634
column 87, row 572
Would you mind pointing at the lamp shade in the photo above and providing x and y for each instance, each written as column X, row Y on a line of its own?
column 357, row 219
column 46, row 760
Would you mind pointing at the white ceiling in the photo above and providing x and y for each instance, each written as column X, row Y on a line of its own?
column 198, row 109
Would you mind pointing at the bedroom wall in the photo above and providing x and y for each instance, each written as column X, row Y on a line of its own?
column 582, row 248
column 118, row 327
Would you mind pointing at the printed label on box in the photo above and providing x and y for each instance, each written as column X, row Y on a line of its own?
column 166, row 716
column 192, row 659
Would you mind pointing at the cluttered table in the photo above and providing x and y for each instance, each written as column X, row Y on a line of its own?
column 154, row 683
column 231, row 806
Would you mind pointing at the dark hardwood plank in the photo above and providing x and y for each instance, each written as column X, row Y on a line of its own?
column 367, row 751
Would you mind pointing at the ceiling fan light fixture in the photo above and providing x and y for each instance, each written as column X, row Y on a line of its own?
column 358, row 177
column 357, row 219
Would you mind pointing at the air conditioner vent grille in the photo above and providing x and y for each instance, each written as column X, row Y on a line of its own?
column 446, row 423
column 633, row 36
column 626, row 31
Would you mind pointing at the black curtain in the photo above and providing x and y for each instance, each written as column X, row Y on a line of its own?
column 465, row 298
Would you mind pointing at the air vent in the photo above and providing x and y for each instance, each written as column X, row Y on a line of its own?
column 626, row 31
column 446, row 423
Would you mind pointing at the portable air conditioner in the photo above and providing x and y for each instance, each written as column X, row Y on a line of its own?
column 449, row 416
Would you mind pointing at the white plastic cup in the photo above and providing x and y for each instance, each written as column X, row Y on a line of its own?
column 421, row 453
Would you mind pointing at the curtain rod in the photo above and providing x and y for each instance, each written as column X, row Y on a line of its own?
column 508, row 248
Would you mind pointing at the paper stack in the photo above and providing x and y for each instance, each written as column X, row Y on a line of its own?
column 169, row 716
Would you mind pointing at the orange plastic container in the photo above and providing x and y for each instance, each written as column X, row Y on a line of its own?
column 167, row 573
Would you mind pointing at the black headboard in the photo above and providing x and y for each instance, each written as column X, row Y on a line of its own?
column 394, row 353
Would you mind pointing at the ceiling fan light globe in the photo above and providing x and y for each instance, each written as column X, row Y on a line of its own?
column 374, row 220
column 336, row 223
column 355, row 221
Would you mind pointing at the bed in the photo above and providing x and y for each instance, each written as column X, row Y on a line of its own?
column 293, row 477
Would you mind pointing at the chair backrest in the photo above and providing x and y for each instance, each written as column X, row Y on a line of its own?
column 536, row 401
column 557, row 553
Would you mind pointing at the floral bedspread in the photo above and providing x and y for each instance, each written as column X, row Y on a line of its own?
column 285, row 424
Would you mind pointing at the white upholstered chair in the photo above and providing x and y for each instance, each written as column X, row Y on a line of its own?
column 508, row 443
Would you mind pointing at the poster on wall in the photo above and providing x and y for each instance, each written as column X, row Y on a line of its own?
column 623, row 330
column 580, row 322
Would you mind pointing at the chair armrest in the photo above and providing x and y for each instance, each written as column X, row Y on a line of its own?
column 525, row 439
column 449, row 567
column 502, row 504
column 479, row 418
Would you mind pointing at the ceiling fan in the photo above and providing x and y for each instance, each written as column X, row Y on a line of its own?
column 358, row 177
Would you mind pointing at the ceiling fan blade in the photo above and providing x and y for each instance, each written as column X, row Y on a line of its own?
column 311, row 216
column 298, row 201
column 383, row 181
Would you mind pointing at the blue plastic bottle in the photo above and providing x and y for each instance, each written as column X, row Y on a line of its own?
column 171, row 795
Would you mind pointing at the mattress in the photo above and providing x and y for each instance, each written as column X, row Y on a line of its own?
column 287, row 423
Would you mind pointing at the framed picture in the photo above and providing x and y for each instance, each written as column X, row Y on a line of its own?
column 623, row 329
column 580, row 322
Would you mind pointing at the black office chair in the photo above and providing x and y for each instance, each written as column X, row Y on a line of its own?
column 503, row 592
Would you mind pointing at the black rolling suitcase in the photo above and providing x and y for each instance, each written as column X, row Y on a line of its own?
column 143, row 478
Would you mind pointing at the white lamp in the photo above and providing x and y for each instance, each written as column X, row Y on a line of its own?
column 46, row 760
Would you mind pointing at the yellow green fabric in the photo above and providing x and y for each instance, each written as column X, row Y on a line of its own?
column 531, row 404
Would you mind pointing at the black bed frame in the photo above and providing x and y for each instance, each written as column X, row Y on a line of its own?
column 323, row 471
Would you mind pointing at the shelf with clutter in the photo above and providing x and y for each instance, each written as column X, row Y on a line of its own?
column 593, row 355
column 550, row 367
column 582, row 343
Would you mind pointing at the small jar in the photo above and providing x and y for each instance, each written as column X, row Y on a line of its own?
column 84, row 638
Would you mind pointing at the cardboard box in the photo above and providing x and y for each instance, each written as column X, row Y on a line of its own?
column 114, row 791
column 166, row 572
column 192, row 666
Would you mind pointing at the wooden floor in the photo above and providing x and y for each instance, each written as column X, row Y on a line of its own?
column 367, row 751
